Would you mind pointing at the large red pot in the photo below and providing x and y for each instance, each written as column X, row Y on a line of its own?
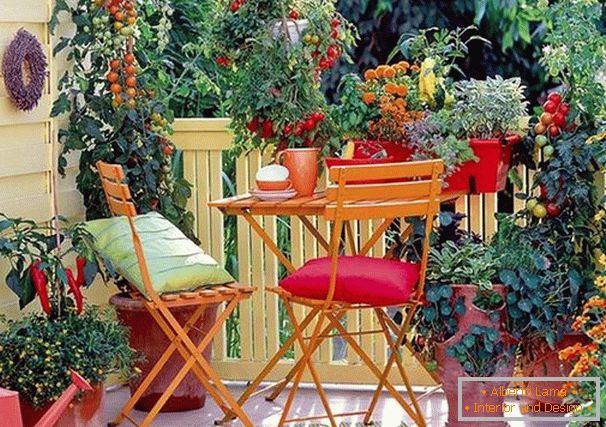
column 489, row 173
column 450, row 369
column 86, row 412
column 544, row 361
column 147, row 338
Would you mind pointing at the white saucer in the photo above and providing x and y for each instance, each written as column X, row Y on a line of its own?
column 273, row 196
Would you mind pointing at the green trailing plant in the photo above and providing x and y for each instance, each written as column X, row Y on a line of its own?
column 490, row 108
column 114, row 114
column 273, row 53
column 481, row 351
column 36, row 353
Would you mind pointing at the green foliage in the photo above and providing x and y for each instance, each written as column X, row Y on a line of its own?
column 481, row 351
column 490, row 108
column 131, row 130
column 553, row 269
column 513, row 27
column 23, row 242
column 435, row 137
column 271, row 72
column 575, row 54
column 466, row 263
column 36, row 353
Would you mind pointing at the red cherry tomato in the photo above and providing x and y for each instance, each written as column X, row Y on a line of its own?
column 550, row 107
column 253, row 125
column 333, row 51
column 335, row 23
column 564, row 108
column 553, row 210
column 267, row 129
column 293, row 14
column 309, row 124
column 559, row 120
column 287, row 130
column 555, row 97
column 317, row 117
column 554, row 131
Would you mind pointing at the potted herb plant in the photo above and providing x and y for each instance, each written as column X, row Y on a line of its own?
column 461, row 329
column 67, row 335
column 273, row 79
column 489, row 112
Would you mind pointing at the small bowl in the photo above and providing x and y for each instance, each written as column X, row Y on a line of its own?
column 273, row 185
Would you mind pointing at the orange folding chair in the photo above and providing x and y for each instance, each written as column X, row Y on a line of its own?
column 332, row 286
column 159, row 306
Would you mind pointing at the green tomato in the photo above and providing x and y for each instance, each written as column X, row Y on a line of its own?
column 548, row 150
column 531, row 203
column 541, row 140
column 539, row 211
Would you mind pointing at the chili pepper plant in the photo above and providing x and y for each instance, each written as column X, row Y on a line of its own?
column 38, row 350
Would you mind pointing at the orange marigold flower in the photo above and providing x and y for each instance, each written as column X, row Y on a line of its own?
column 401, row 103
column 404, row 65
column 381, row 71
column 389, row 72
column 391, row 88
column 368, row 98
column 370, row 75
column 402, row 90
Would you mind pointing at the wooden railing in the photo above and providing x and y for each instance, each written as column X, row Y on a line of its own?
column 204, row 142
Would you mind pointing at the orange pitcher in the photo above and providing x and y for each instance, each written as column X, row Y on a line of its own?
column 302, row 163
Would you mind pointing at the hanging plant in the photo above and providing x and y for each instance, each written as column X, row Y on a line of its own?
column 24, row 52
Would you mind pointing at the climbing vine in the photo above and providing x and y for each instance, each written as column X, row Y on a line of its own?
column 112, row 115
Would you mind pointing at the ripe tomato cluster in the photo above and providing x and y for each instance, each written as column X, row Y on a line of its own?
column 333, row 52
column 122, row 75
column 122, row 80
column 552, row 122
column 303, row 129
column 544, row 206
column 223, row 61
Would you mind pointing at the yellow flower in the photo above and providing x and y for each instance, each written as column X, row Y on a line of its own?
column 596, row 138
column 599, row 216
column 427, row 81
column 600, row 282
column 602, row 260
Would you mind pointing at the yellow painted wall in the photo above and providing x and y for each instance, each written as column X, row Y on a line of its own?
column 28, row 142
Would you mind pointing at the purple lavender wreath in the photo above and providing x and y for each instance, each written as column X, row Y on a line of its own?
column 26, row 52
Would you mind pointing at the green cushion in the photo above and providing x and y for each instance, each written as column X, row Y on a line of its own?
column 175, row 263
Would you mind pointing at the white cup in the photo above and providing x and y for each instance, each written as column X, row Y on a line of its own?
column 272, row 173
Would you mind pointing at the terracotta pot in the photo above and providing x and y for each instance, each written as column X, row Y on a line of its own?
column 86, row 412
column 545, row 362
column 450, row 369
column 147, row 338
column 302, row 163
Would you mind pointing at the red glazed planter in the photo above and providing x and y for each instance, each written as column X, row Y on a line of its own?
column 489, row 174
column 450, row 369
column 85, row 413
column 147, row 338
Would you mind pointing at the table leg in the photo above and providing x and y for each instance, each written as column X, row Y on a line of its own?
column 269, row 242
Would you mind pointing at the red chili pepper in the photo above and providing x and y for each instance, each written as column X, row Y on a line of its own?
column 40, row 281
column 75, row 289
column 80, row 264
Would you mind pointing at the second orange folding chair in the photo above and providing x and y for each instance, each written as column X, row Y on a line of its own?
column 330, row 287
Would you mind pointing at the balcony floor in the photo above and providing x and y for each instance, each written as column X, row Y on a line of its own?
column 267, row 414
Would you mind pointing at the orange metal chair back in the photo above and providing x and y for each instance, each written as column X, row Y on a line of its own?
column 119, row 200
column 412, row 190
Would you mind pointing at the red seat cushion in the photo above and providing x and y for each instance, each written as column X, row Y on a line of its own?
column 360, row 280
